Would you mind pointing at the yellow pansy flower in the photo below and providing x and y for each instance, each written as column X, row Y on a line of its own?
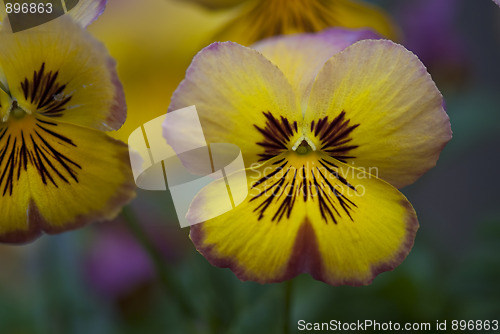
column 328, row 133
column 58, row 168
column 253, row 20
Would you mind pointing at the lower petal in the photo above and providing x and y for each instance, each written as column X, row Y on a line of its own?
column 311, row 215
column 58, row 177
column 85, row 11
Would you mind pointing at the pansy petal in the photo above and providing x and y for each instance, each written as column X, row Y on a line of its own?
column 301, row 57
column 259, row 19
column 58, row 176
column 317, row 216
column 85, row 11
column 5, row 105
column 235, row 89
column 375, row 105
column 4, row 24
column 60, row 71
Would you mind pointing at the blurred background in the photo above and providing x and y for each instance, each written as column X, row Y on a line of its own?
column 141, row 274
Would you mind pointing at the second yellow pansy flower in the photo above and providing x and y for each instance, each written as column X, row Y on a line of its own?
column 58, row 168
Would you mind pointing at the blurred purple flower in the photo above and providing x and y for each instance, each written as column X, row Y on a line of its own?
column 117, row 265
column 430, row 32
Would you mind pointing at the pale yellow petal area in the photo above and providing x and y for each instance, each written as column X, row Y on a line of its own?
column 307, row 214
column 59, row 70
column 238, row 93
column 301, row 57
column 5, row 105
column 375, row 106
column 57, row 176
column 4, row 23
column 259, row 19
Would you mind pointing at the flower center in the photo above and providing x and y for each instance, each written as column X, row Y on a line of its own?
column 17, row 112
column 305, row 167
column 332, row 136
column 304, row 148
column 36, row 143
column 294, row 179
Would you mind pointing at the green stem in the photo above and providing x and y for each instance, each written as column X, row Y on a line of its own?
column 165, row 274
column 287, row 307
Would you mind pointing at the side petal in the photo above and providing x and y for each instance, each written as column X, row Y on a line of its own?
column 301, row 57
column 335, row 222
column 60, row 71
column 233, row 88
column 5, row 105
column 58, row 177
column 375, row 105
column 85, row 11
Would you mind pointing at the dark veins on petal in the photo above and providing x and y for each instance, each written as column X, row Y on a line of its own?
column 335, row 136
column 46, row 92
column 38, row 147
column 277, row 134
column 318, row 182
column 278, row 17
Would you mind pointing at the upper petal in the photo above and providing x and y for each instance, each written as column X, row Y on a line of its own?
column 302, row 56
column 235, row 89
column 59, row 70
column 389, row 112
column 85, row 11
